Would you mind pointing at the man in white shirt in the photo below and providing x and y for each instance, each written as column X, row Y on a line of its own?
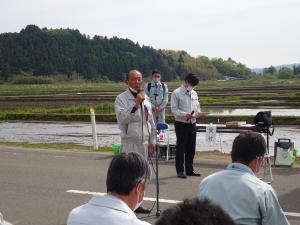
column 247, row 199
column 185, row 107
column 127, row 177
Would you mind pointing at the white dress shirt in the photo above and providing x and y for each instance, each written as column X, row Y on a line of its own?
column 104, row 210
column 183, row 102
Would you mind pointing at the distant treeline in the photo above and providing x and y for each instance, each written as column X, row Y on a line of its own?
column 282, row 73
column 35, row 51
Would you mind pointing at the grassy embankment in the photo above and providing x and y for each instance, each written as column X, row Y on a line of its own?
column 55, row 146
column 205, row 155
column 212, row 156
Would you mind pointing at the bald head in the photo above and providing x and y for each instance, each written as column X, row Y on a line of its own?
column 134, row 79
column 132, row 73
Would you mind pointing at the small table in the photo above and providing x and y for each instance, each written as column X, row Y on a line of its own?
column 223, row 128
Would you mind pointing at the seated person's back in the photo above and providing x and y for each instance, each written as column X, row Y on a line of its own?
column 127, row 178
column 247, row 199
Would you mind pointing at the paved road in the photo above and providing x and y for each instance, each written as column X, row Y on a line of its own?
column 34, row 184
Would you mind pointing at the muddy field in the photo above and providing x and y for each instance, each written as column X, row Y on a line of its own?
column 250, row 97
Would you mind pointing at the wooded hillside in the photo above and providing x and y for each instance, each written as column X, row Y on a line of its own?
column 35, row 51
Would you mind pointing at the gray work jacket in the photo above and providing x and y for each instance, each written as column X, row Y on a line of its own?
column 137, row 127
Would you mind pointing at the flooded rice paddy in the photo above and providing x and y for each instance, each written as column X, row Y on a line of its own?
column 108, row 134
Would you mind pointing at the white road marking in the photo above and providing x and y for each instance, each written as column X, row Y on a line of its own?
column 145, row 198
column 291, row 214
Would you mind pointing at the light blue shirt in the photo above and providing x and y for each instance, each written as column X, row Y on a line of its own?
column 157, row 94
column 247, row 199
column 159, row 98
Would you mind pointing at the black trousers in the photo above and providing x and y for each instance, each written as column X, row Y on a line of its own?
column 185, row 146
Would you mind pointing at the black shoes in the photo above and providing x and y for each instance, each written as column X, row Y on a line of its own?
column 193, row 174
column 181, row 175
column 142, row 210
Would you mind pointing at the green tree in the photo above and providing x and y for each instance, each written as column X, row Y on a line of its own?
column 285, row 73
column 270, row 69
column 5, row 72
column 296, row 69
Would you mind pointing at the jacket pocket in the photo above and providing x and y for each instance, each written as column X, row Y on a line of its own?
column 134, row 131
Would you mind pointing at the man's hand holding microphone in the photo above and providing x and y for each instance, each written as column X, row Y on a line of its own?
column 140, row 97
column 189, row 116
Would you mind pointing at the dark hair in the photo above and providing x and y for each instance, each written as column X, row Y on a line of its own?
column 125, row 171
column 155, row 71
column 195, row 212
column 192, row 79
column 247, row 146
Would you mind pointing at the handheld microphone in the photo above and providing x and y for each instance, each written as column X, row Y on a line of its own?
column 191, row 115
column 139, row 90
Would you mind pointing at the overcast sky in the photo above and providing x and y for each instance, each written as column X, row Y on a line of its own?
column 258, row 33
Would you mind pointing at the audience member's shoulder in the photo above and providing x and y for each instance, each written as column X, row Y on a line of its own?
column 215, row 175
column 265, row 186
column 3, row 222
column 140, row 222
column 136, row 221
column 78, row 212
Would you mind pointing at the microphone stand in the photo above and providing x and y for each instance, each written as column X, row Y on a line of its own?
column 158, row 212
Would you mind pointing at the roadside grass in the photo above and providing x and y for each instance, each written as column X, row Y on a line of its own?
column 206, row 155
column 57, row 146
column 212, row 156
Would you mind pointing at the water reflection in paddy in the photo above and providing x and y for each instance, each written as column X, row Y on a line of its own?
column 108, row 134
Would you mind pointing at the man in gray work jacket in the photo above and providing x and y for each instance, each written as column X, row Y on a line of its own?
column 158, row 94
column 185, row 107
column 134, row 116
column 135, row 119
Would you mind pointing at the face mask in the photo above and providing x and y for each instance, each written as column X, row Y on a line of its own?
column 133, row 90
column 189, row 88
column 257, row 164
column 156, row 79
column 138, row 204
